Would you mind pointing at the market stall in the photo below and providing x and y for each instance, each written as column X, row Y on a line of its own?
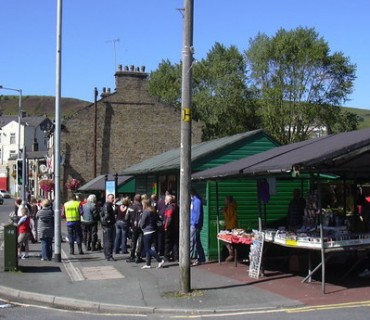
column 346, row 155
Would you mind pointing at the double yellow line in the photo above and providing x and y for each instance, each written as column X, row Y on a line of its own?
column 329, row 307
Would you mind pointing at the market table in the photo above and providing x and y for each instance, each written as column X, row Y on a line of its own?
column 234, row 239
column 342, row 243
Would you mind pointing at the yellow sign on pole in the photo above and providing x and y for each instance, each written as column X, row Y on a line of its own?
column 186, row 114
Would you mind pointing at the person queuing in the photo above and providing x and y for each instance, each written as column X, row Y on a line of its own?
column 148, row 225
column 17, row 206
column 24, row 230
column 161, row 208
column 107, row 221
column 89, row 219
column 45, row 226
column 72, row 212
column 33, row 220
column 122, row 226
column 135, row 212
column 171, row 227
column 196, row 225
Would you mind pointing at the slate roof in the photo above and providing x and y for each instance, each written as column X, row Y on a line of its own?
column 345, row 154
column 33, row 121
column 98, row 183
column 170, row 160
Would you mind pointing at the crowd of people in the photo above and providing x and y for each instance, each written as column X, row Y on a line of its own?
column 142, row 227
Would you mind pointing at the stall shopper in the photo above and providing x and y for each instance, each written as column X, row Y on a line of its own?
column 231, row 222
column 296, row 211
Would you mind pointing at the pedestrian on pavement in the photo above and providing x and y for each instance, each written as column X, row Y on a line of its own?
column 171, row 229
column 107, row 221
column 89, row 219
column 196, row 225
column 135, row 212
column 72, row 212
column 148, row 225
column 45, row 225
column 24, row 231
column 122, row 226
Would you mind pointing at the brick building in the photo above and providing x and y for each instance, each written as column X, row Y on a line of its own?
column 130, row 126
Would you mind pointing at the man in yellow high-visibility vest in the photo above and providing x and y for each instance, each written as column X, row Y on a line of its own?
column 73, row 212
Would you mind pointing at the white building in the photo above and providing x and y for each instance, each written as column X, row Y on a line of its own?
column 33, row 133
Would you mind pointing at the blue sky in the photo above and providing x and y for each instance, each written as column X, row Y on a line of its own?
column 151, row 30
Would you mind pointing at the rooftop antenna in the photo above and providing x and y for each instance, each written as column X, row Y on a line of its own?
column 181, row 10
column 114, row 51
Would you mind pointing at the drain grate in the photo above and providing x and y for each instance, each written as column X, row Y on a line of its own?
column 101, row 273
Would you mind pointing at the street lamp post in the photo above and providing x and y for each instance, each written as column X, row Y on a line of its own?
column 19, row 132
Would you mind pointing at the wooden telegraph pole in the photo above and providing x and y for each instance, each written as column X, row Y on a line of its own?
column 185, row 163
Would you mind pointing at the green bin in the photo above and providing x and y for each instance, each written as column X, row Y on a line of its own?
column 10, row 247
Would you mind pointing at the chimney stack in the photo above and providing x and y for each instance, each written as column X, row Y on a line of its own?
column 130, row 77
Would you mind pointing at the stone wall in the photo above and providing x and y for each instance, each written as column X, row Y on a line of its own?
column 131, row 127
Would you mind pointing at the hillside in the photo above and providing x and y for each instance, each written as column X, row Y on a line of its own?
column 364, row 115
column 45, row 105
column 40, row 105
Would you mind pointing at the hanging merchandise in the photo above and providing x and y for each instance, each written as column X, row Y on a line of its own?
column 264, row 191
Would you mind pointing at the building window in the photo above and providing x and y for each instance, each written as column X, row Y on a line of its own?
column 12, row 154
column 12, row 138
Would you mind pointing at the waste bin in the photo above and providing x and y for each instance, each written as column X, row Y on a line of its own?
column 10, row 247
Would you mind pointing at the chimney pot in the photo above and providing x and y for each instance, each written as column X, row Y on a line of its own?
column 132, row 67
column 120, row 67
column 142, row 68
column 126, row 68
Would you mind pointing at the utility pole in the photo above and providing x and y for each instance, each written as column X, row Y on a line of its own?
column 185, row 149
column 95, row 129
column 57, row 222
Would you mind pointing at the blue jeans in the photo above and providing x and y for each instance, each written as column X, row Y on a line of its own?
column 149, row 252
column 120, row 241
column 74, row 232
column 196, row 248
column 46, row 248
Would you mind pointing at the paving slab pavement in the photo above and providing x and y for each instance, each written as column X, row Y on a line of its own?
column 89, row 282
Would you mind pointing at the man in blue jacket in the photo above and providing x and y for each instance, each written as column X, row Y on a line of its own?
column 196, row 224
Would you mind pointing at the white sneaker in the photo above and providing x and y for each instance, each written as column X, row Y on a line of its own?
column 364, row 274
column 146, row 267
column 160, row 264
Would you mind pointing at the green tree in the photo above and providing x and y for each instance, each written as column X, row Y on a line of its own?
column 221, row 99
column 165, row 83
column 300, row 84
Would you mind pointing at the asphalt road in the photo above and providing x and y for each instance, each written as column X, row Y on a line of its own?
column 23, row 311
